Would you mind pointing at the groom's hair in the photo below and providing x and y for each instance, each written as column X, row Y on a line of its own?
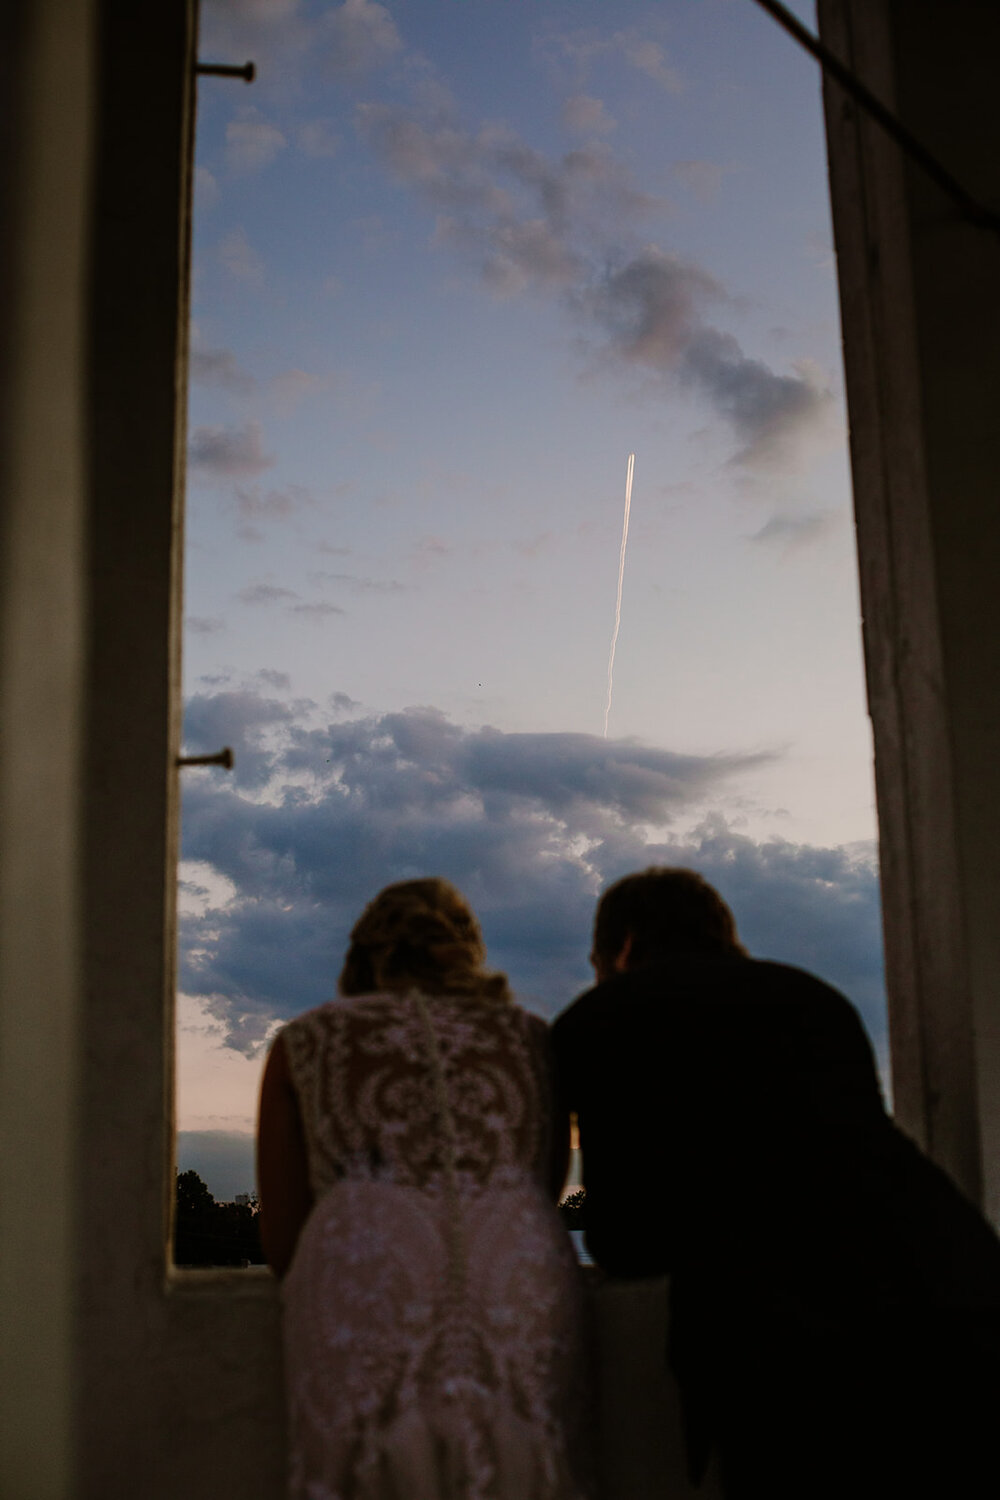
column 665, row 911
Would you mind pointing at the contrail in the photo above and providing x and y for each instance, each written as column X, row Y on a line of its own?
column 621, row 579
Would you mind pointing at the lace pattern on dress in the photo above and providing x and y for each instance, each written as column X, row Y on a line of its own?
column 371, row 1075
column 433, row 1319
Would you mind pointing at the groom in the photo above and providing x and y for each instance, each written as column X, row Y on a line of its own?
column 834, row 1301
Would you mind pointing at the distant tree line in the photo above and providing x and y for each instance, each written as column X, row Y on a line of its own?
column 571, row 1209
column 207, row 1233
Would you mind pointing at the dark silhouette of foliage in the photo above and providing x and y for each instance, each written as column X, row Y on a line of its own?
column 572, row 1209
column 207, row 1233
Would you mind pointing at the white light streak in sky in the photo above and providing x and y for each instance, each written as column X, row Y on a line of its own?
column 618, row 601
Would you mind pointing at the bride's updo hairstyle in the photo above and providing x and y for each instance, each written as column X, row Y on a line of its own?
column 419, row 935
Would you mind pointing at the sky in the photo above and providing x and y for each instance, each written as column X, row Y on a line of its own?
column 454, row 261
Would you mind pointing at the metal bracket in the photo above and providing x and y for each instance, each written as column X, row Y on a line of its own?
column 224, row 758
column 248, row 72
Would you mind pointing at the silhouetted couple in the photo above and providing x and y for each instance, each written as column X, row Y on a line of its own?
column 834, row 1301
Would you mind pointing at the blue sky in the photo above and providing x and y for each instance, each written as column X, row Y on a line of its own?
column 454, row 260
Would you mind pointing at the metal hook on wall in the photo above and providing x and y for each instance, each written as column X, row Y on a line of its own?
column 224, row 758
column 248, row 71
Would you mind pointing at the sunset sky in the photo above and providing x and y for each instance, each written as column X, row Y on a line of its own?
column 454, row 261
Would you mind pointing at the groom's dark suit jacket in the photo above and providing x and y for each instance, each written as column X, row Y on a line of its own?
column 835, row 1301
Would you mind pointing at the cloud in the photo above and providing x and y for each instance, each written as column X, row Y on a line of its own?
column 513, row 255
column 357, row 37
column 537, row 545
column 649, row 58
column 256, row 504
column 264, row 593
column 293, row 386
column 552, row 226
column 316, row 610
column 356, row 804
column 204, row 624
column 793, row 532
column 512, row 211
column 587, row 116
column 702, row 178
column 580, row 50
column 358, row 584
column 241, row 720
column 252, row 141
column 777, row 418
column 430, row 549
column 318, row 138
column 274, row 33
column 651, row 309
column 240, row 259
column 229, row 452
column 206, row 189
column 220, row 367
column 316, row 818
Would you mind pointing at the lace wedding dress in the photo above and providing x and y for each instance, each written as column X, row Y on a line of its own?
column 432, row 1313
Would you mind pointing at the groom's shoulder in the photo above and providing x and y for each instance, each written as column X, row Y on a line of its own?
column 663, row 979
column 622, row 999
column 596, row 1002
column 669, row 989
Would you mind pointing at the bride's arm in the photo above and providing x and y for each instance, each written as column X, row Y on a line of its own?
column 282, row 1163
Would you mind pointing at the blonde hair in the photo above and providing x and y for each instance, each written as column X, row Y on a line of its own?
column 419, row 934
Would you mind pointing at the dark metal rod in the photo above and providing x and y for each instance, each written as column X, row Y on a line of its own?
column 248, row 71
column 971, row 207
column 223, row 758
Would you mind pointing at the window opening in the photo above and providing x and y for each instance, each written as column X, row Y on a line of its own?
column 453, row 264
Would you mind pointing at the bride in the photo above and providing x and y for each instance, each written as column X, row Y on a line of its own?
column 407, row 1157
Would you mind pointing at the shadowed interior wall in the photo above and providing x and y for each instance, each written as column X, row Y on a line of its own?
column 119, row 1377
column 920, row 302
column 46, row 98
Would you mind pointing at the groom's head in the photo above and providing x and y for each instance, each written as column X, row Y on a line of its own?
column 658, row 914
